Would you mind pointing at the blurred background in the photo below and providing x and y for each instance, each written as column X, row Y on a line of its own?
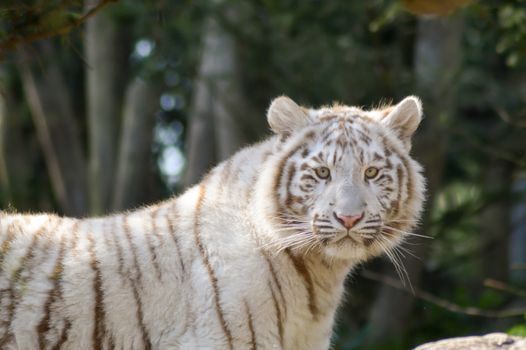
column 109, row 105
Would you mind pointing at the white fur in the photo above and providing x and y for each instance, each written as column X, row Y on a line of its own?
column 228, row 248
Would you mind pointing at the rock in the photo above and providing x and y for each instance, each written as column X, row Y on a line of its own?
column 493, row 341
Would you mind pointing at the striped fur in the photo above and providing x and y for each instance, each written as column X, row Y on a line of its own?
column 253, row 257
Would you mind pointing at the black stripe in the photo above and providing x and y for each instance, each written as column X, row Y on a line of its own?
column 99, row 312
column 18, row 279
column 208, row 266
column 63, row 336
column 302, row 271
column 173, row 234
column 253, row 342
column 278, row 314
column 153, row 217
column 67, row 323
column 55, row 293
column 118, row 249
column 134, row 281
column 153, row 254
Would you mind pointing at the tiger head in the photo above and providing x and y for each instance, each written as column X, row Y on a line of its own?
column 343, row 181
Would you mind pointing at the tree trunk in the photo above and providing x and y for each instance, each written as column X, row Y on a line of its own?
column 19, row 153
column 517, row 242
column 219, row 107
column 134, row 161
column 495, row 221
column 50, row 104
column 5, row 192
column 107, row 49
column 437, row 54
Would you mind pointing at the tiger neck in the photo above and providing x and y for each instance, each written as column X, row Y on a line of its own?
column 244, row 185
column 232, row 183
column 326, row 274
column 323, row 280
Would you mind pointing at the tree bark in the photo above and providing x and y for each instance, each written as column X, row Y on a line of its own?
column 495, row 221
column 517, row 242
column 134, row 158
column 50, row 104
column 219, row 107
column 4, row 175
column 437, row 54
column 107, row 49
column 229, row 105
column 19, row 153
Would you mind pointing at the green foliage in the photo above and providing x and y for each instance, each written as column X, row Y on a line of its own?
column 519, row 330
column 512, row 21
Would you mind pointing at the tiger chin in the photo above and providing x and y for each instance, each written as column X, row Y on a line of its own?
column 253, row 257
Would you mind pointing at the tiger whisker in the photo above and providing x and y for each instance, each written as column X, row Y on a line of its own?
column 401, row 271
column 292, row 222
column 407, row 251
column 393, row 260
column 405, row 241
column 290, row 217
column 295, row 228
column 295, row 242
column 313, row 244
column 287, row 240
column 408, row 233
column 401, row 220
column 283, row 241
column 296, row 245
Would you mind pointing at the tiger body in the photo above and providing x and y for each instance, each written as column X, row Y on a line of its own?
column 247, row 259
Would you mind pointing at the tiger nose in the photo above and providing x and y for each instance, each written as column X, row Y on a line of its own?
column 348, row 221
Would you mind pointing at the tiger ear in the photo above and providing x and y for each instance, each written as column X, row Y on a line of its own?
column 404, row 118
column 284, row 116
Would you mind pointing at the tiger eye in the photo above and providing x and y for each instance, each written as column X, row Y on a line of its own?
column 371, row 172
column 323, row 172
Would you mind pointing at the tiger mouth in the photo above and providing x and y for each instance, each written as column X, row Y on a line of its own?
column 345, row 238
column 328, row 235
column 354, row 237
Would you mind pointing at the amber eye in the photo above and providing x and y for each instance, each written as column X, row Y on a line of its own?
column 323, row 172
column 371, row 172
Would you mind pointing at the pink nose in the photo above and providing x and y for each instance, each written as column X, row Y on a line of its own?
column 348, row 221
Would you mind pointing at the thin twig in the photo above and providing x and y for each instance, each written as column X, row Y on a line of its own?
column 450, row 306
column 15, row 39
column 506, row 117
column 499, row 285
column 518, row 266
column 488, row 149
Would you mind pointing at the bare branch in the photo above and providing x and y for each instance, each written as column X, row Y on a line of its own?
column 499, row 285
column 518, row 267
column 488, row 148
column 423, row 295
column 16, row 39
column 506, row 117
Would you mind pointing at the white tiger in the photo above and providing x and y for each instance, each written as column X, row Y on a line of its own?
column 253, row 257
